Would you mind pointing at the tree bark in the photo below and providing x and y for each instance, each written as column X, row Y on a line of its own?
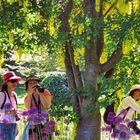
column 113, row 60
column 72, row 70
column 89, row 124
column 87, row 128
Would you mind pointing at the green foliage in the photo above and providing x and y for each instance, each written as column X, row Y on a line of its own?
column 30, row 26
column 120, row 27
column 57, row 85
column 66, row 128
column 126, row 74
column 85, row 92
column 40, row 63
column 35, row 24
column 127, row 1
column 21, row 106
column 128, row 70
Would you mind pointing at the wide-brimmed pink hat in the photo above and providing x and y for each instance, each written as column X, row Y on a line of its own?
column 10, row 75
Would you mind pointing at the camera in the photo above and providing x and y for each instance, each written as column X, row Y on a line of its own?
column 136, row 129
column 133, row 125
column 39, row 88
column 17, row 117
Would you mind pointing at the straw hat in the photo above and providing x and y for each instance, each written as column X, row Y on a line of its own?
column 32, row 77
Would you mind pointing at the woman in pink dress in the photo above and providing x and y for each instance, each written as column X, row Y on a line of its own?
column 36, row 98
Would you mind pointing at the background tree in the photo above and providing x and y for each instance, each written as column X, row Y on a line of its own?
column 92, row 26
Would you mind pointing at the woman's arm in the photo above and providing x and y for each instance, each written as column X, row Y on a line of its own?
column 27, row 101
column 129, row 101
column 46, row 99
column 2, row 96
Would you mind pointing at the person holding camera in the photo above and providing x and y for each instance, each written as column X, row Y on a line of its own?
column 8, row 106
column 131, row 106
column 37, row 97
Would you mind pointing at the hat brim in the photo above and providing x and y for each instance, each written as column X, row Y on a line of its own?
column 134, row 88
column 12, row 78
column 32, row 79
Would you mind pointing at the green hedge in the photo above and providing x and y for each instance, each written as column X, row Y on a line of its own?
column 58, row 86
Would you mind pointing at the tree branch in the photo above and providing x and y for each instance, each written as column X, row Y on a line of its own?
column 64, row 16
column 91, row 60
column 115, row 57
column 90, row 8
column 69, row 71
column 100, row 38
column 75, row 68
column 110, row 8
column 101, row 8
column 109, row 73
column 72, row 70
column 91, row 65
column 100, row 45
column 33, row 2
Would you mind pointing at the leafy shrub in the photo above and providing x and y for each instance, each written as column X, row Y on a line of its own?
column 58, row 86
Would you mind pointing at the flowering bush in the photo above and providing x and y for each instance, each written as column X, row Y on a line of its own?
column 35, row 119
column 121, row 128
column 8, row 106
column 44, row 125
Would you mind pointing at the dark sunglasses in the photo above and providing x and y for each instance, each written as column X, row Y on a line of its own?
column 13, row 81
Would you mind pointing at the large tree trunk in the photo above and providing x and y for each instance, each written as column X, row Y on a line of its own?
column 89, row 124
column 89, row 128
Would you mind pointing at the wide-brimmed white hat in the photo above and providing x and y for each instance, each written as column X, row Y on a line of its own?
column 134, row 87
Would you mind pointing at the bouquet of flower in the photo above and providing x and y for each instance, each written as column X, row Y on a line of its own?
column 40, row 123
column 120, row 127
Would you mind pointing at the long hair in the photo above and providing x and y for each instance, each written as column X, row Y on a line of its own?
column 4, row 88
column 26, row 86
